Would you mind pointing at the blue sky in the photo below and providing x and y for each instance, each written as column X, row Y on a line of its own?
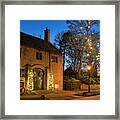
column 37, row 27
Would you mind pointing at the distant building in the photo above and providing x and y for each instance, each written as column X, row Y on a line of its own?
column 41, row 66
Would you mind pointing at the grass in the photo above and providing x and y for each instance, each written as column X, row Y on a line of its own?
column 88, row 94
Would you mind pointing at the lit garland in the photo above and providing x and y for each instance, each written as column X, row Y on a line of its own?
column 51, row 83
column 30, row 80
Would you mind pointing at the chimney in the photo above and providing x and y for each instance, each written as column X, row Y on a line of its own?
column 47, row 34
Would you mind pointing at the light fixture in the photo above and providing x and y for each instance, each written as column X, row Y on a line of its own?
column 88, row 67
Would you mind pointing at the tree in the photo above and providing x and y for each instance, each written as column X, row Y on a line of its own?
column 62, row 42
column 80, row 44
column 85, row 40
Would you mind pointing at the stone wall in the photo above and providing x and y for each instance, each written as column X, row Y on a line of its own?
column 28, row 56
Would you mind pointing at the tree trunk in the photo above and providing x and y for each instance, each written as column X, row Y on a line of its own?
column 79, row 70
column 89, row 88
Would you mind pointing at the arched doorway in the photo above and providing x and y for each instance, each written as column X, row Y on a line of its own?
column 38, row 79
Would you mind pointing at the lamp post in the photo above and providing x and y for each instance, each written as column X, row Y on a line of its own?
column 89, row 68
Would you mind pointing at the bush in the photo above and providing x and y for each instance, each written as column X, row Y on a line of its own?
column 90, row 80
column 79, row 77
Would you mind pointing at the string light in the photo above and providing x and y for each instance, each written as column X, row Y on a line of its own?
column 85, row 37
column 81, row 27
column 87, row 54
column 89, row 22
column 88, row 27
column 91, row 48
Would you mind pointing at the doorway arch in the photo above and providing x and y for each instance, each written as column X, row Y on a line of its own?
column 38, row 78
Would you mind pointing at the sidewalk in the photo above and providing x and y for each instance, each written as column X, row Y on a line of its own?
column 64, row 95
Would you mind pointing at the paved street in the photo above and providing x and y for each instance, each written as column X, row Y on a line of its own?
column 64, row 95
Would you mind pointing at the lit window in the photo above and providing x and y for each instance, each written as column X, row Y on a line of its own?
column 54, row 59
column 38, row 56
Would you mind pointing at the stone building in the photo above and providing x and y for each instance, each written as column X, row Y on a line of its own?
column 41, row 66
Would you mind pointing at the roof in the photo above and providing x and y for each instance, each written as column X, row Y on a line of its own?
column 37, row 43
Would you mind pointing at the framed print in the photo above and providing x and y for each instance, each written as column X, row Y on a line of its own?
column 60, row 60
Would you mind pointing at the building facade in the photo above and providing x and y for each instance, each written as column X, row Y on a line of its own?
column 41, row 66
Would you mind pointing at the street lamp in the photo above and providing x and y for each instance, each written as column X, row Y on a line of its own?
column 89, row 68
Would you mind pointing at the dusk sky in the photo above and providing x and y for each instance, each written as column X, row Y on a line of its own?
column 37, row 27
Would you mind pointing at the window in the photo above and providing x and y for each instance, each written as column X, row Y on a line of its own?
column 38, row 56
column 55, row 59
column 22, row 72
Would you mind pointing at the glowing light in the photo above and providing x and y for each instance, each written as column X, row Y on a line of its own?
column 89, row 67
column 81, row 27
column 88, row 27
column 91, row 48
column 88, row 39
column 89, row 22
column 87, row 54
column 56, row 86
column 75, row 38
column 89, row 44
column 97, row 58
